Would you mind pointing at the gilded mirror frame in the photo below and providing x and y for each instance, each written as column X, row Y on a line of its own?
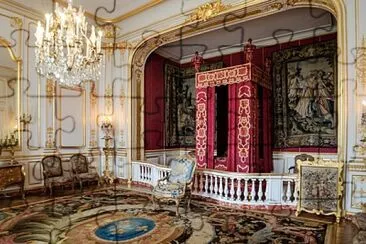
column 18, row 60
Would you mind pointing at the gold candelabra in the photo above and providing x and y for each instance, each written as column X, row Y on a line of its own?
column 25, row 119
column 107, row 128
column 9, row 142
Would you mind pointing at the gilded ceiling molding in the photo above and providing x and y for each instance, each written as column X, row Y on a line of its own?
column 207, row 11
column 238, row 13
column 21, row 9
column 120, row 18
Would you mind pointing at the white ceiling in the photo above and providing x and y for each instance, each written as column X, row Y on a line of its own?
column 122, row 6
column 278, row 28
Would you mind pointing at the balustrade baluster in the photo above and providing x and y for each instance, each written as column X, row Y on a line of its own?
column 295, row 191
column 211, row 184
column 194, row 188
column 226, row 189
column 288, row 191
column 220, row 187
column 238, row 191
column 201, row 182
column 149, row 174
column 268, row 187
column 141, row 172
column 146, row 175
column 206, row 184
column 232, row 189
column 216, row 183
column 260, row 191
column 245, row 190
column 252, row 192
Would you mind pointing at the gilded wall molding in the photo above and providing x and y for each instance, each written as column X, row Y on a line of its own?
column 357, row 166
column 50, row 90
column 361, row 62
column 108, row 99
column 50, row 139
column 93, row 142
column 122, row 97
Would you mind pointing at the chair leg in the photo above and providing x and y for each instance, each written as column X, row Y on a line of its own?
column 153, row 202
column 177, row 210
column 81, row 186
column 51, row 192
column 22, row 192
column 189, row 203
column 99, row 183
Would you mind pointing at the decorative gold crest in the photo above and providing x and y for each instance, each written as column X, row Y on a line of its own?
column 207, row 11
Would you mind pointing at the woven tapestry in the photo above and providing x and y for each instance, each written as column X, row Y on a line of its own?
column 304, row 82
column 180, row 98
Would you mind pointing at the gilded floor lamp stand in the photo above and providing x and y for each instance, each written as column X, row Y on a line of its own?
column 107, row 174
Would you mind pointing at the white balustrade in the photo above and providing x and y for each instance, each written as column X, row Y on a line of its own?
column 238, row 188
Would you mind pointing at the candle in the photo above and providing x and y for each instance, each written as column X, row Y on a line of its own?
column 39, row 34
column 99, row 41
column 48, row 18
column 92, row 36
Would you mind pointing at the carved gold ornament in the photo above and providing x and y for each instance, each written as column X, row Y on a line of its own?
column 108, row 99
column 207, row 11
column 93, row 142
column 50, row 90
column 361, row 62
column 50, row 142
column 16, row 22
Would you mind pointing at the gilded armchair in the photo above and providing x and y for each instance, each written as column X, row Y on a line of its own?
column 83, row 171
column 54, row 174
column 177, row 185
column 302, row 157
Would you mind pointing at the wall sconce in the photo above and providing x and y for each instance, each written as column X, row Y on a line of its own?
column 25, row 119
column 107, row 126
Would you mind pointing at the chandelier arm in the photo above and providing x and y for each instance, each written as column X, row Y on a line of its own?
column 64, row 51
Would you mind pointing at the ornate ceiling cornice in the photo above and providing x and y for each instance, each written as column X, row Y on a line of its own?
column 115, row 20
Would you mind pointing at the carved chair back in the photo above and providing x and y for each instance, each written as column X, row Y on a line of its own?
column 182, row 170
column 52, row 166
column 79, row 163
column 302, row 157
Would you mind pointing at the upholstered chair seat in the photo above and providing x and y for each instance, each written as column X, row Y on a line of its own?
column 177, row 185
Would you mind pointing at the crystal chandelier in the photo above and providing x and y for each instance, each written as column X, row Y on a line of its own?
column 64, row 51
